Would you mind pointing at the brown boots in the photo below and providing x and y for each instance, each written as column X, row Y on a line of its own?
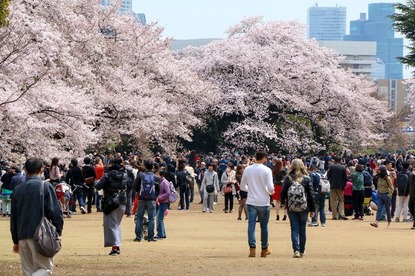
column 264, row 252
column 252, row 252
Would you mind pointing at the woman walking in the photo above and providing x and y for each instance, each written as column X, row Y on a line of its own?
column 228, row 187
column 358, row 193
column 298, row 196
column 163, row 199
column 54, row 173
column 210, row 187
column 113, row 182
column 242, row 194
column 384, row 194
column 278, row 174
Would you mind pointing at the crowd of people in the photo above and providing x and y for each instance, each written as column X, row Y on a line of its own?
column 296, row 187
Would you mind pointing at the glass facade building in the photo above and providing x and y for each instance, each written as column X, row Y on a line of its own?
column 379, row 28
column 326, row 23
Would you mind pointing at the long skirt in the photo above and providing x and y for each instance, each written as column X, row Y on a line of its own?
column 112, row 227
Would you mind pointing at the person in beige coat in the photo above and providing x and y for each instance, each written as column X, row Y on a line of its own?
column 228, row 187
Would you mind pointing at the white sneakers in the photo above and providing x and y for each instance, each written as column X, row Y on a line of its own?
column 298, row 254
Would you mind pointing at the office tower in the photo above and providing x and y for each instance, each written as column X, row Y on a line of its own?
column 127, row 7
column 378, row 27
column 326, row 23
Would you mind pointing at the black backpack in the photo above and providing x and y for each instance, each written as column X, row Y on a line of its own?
column 367, row 179
column 130, row 182
column 401, row 181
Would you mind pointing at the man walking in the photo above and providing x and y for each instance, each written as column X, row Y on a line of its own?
column 26, row 215
column 147, row 187
column 338, row 177
column 259, row 179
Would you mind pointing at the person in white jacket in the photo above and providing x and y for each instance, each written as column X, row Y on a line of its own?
column 257, row 180
column 210, row 187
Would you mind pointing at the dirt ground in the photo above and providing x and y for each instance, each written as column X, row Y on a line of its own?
column 216, row 244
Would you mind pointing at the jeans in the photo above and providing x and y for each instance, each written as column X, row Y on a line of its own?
column 184, row 197
column 298, row 222
column 320, row 202
column 228, row 201
column 161, row 230
column 383, row 201
column 98, row 201
column 358, row 198
column 150, row 207
column 78, row 194
column 262, row 212
column 89, row 194
column 199, row 184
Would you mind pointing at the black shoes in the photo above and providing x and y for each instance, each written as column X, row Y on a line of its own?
column 138, row 239
column 284, row 217
column 115, row 251
column 343, row 218
column 152, row 240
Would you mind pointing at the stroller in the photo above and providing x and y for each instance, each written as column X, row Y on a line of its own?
column 64, row 193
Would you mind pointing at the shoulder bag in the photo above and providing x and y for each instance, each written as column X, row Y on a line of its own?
column 46, row 238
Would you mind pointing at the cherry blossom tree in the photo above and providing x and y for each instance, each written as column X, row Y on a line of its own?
column 279, row 89
column 76, row 74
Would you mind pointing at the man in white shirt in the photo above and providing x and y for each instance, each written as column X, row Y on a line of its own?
column 257, row 180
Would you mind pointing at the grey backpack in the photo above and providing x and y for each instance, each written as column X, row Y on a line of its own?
column 297, row 200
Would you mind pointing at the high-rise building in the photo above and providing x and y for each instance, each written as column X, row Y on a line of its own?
column 379, row 27
column 326, row 23
column 127, row 7
column 358, row 56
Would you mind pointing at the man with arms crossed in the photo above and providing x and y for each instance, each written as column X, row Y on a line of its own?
column 257, row 180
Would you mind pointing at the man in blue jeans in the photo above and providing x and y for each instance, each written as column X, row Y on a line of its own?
column 261, row 187
column 147, row 187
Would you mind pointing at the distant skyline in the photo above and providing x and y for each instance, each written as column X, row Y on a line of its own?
column 192, row 19
column 195, row 19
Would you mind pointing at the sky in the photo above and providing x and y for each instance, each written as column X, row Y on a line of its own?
column 191, row 19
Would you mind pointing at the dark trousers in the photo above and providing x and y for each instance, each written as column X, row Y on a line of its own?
column 393, row 203
column 228, row 201
column 184, row 197
column 128, row 205
column 98, row 201
column 89, row 194
column 358, row 198
column 411, row 207
column 192, row 191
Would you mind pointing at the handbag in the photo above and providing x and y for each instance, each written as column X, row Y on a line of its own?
column 89, row 180
column 46, row 238
column 210, row 188
column 227, row 190
column 110, row 203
